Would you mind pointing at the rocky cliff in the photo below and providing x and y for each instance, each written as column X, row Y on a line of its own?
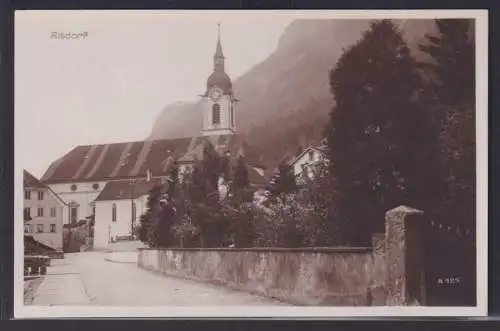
column 285, row 99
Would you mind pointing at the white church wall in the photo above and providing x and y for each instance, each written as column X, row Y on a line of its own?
column 84, row 194
column 105, row 228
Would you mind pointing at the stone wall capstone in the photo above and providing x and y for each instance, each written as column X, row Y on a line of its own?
column 397, row 261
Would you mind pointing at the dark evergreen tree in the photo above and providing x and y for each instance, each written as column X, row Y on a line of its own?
column 241, row 180
column 381, row 142
column 163, row 229
column 197, row 187
column 211, row 169
column 206, row 209
column 166, row 211
column 283, row 182
column 173, row 179
column 240, row 187
column 452, row 50
column 146, row 220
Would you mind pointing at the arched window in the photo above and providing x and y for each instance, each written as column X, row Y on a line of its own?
column 216, row 114
column 113, row 213
column 134, row 211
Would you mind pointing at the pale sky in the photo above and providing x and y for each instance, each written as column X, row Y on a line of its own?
column 111, row 85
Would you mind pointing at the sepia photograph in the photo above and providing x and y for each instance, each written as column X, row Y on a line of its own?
column 250, row 163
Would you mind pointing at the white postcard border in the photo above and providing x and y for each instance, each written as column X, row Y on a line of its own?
column 481, row 17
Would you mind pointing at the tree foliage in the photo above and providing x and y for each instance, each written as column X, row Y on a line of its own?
column 381, row 141
column 283, row 182
column 147, row 219
column 453, row 102
column 452, row 52
column 240, row 187
column 318, row 196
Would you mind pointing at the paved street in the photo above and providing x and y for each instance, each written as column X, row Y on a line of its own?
column 89, row 279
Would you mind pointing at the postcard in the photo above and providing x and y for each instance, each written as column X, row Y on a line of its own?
column 250, row 163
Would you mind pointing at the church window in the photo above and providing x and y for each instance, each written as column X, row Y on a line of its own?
column 113, row 213
column 73, row 187
column 216, row 114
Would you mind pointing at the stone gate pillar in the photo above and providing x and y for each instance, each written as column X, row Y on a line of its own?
column 405, row 281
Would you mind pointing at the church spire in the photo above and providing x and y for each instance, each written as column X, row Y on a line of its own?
column 218, row 56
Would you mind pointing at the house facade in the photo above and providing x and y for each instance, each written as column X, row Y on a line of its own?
column 306, row 162
column 44, row 213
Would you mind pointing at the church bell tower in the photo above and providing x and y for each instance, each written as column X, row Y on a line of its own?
column 219, row 102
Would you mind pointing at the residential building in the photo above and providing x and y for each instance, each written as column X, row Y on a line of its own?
column 306, row 162
column 44, row 213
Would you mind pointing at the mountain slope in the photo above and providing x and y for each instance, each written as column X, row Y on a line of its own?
column 285, row 100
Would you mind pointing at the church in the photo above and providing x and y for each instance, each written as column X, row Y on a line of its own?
column 111, row 181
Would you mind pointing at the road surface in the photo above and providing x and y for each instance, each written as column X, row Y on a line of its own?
column 89, row 279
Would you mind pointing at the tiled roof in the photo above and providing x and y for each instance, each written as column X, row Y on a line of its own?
column 126, row 189
column 133, row 159
column 31, row 181
column 322, row 149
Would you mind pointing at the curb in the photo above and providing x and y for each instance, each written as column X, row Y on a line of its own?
column 118, row 261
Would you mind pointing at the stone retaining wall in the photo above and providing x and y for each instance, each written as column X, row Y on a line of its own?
column 338, row 276
column 317, row 276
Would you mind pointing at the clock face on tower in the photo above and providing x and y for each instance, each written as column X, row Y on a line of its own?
column 216, row 94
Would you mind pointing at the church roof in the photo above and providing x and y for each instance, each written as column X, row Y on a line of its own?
column 218, row 49
column 88, row 163
column 126, row 189
column 220, row 79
